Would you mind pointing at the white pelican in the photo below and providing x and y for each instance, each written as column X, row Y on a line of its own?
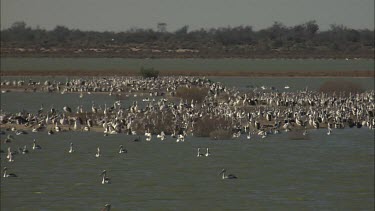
column 107, row 207
column 8, row 175
column 329, row 131
column 35, row 146
column 207, row 152
column 249, row 136
column 71, row 150
column 180, row 138
column 229, row 176
column 98, row 153
column 10, row 157
column 199, row 153
column 122, row 150
column 105, row 179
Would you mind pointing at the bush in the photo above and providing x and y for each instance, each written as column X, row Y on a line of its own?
column 149, row 73
column 194, row 93
column 207, row 127
column 220, row 134
column 344, row 87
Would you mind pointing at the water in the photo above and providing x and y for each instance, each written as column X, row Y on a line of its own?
column 333, row 172
column 324, row 173
column 95, row 64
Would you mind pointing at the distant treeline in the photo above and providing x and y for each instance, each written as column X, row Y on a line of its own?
column 239, row 40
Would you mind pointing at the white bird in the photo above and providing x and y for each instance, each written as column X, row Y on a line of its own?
column 71, row 150
column 35, row 146
column 98, row 153
column 105, row 179
column 229, row 176
column 199, row 153
column 122, row 150
column 207, row 152
column 8, row 175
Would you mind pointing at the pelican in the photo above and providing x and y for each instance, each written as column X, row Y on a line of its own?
column 199, row 153
column 229, row 176
column 329, row 131
column 8, row 175
column 122, row 150
column 304, row 132
column 180, row 138
column 98, row 153
column 71, row 150
column 105, row 179
column 207, row 152
column 8, row 139
column 248, row 136
column 107, row 207
column 24, row 150
column 35, row 146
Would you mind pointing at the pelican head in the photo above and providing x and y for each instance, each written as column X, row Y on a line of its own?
column 103, row 173
column 223, row 171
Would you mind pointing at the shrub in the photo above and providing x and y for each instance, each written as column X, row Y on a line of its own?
column 206, row 127
column 344, row 87
column 149, row 73
column 220, row 134
column 194, row 93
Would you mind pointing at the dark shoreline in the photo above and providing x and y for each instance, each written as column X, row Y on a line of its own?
column 288, row 74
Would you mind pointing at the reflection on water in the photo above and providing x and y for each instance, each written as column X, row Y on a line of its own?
column 323, row 173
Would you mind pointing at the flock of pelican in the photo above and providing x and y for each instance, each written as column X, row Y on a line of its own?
column 169, row 113
column 249, row 112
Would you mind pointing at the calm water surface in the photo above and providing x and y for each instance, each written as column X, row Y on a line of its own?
column 12, row 64
column 324, row 173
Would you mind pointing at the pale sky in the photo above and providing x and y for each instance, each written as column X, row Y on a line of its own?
column 120, row 15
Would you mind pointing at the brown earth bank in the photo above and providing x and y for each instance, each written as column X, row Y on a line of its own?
column 354, row 73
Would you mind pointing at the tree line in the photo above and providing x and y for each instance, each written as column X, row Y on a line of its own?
column 302, row 37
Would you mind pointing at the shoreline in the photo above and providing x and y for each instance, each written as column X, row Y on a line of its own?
column 257, row 74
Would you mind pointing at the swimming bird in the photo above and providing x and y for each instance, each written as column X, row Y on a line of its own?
column 98, row 153
column 107, row 207
column 329, row 131
column 207, row 152
column 25, row 150
column 199, row 153
column 35, row 146
column 71, row 150
column 105, row 179
column 8, row 175
column 122, row 150
column 229, row 176
column 8, row 139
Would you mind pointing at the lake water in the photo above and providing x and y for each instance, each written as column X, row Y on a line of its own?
column 333, row 172
column 12, row 64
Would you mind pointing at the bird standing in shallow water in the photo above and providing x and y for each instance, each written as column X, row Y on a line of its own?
column 8, row 175
column 229, row 176
column 107, row 207
column 105, row 179
column 71, row 150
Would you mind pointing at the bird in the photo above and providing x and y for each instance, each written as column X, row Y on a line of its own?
column 107, row 207
column 98, row 153
column 25, row 150
column 71, row 150
column 35, row 146
column 207, row 152
column 8, row 175
column 199, row 153
column 105, row 179
column 122, row 150
column 229, row 176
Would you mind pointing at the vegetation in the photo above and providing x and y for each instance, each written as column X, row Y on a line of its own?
column 241, row 41
column 149, row 73
column 343, row 87
column 192, row 93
